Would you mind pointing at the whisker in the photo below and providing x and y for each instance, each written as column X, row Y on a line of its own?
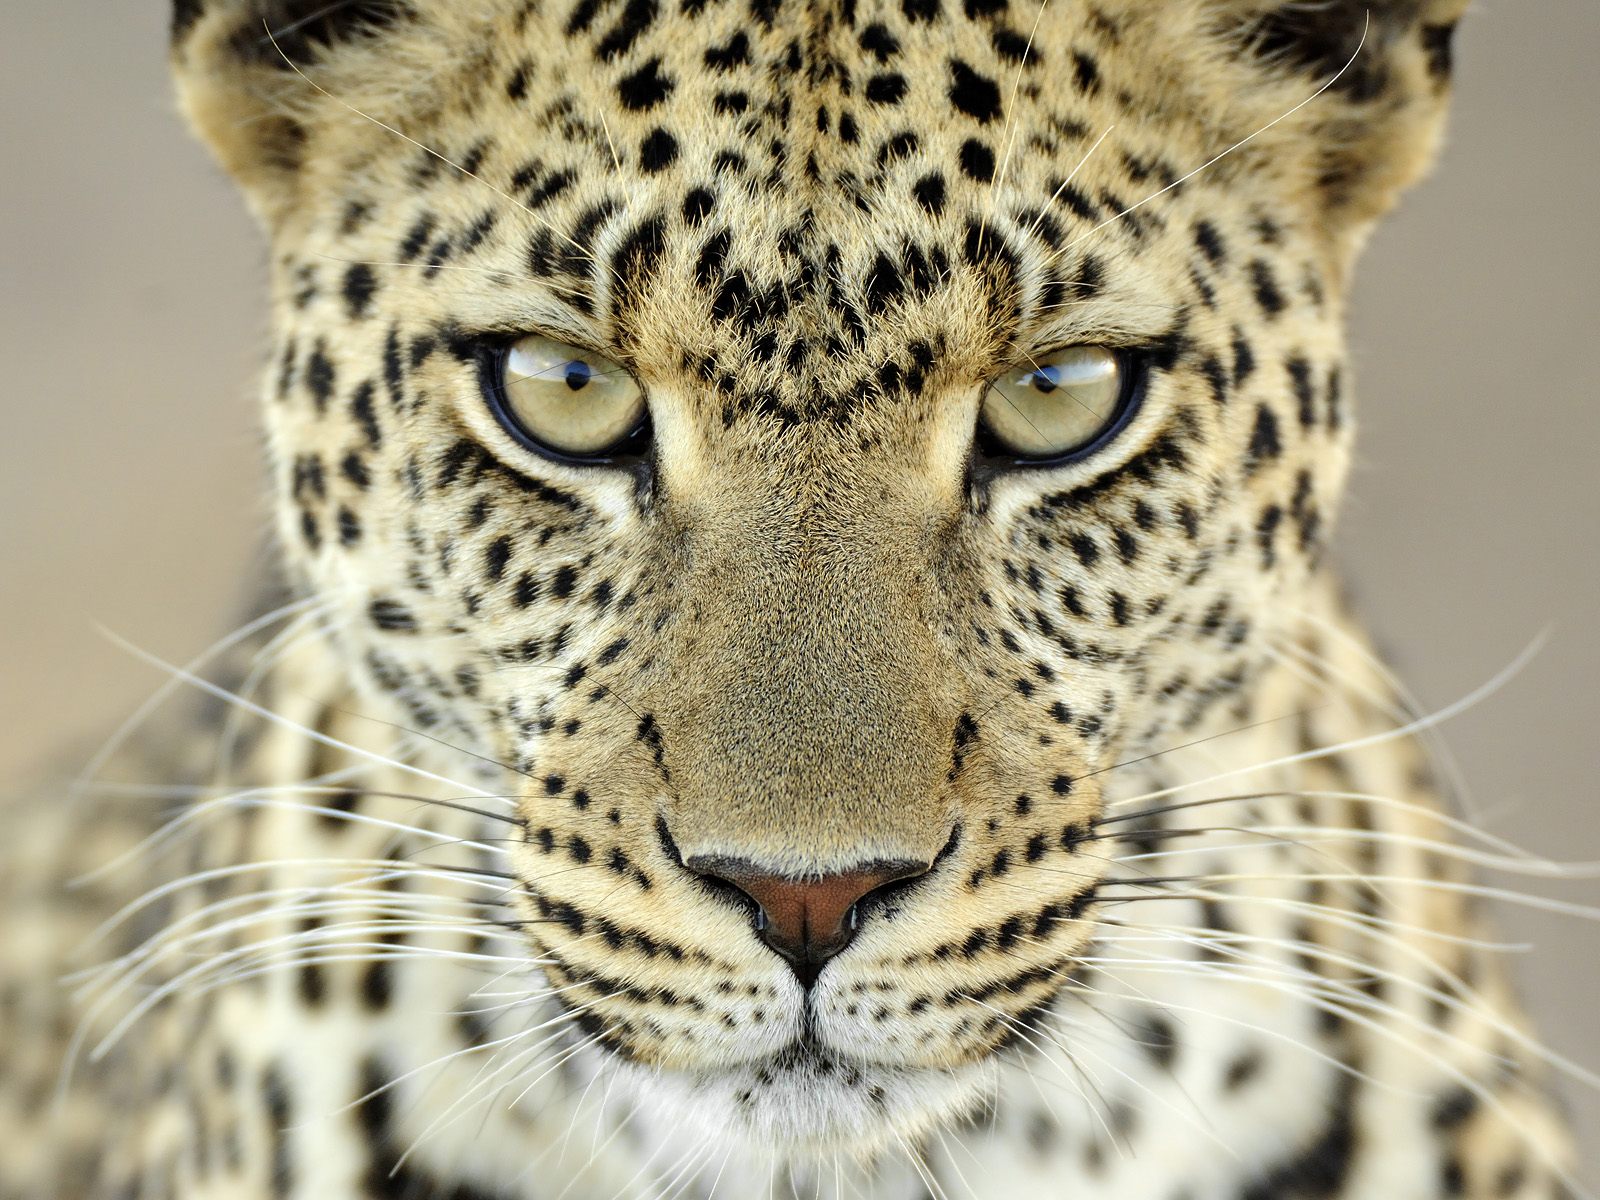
column 141, row 714
column 1409, row 807
column 1479, row 1006
column 1408, row 708
column 1475, row 697
column 1472, row 1084
column 1309, row 836
column 281, row 720
column 1505, row 895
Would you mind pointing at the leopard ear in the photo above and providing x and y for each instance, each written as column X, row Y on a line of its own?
column 1375, row 129
column 249, row 72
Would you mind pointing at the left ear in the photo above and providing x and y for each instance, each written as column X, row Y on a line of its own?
column 1376, row 128
column 241, row 69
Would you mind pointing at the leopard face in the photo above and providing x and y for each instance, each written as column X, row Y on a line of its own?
column 811, row 640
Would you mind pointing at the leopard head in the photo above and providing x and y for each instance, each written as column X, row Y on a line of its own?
column 814, row 444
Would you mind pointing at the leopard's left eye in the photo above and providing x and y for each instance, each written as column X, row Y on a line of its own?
column 565, row 401
column 1059, row 407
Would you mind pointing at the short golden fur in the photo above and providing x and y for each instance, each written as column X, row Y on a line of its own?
column 814, row 629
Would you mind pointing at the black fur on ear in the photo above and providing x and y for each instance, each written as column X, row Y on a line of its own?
column 272, row 31
column 1323, row 39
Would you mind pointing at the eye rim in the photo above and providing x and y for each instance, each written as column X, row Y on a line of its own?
column 627, row 451
column 1133, row 367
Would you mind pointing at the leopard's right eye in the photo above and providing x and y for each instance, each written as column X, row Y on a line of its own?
column 1060, row 407
column 565, row 401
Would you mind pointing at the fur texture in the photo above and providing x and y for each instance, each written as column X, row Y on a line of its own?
column 426, row 930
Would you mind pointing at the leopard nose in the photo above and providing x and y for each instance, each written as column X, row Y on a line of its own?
column 807, row 921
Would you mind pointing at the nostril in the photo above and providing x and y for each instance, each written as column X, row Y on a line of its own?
column 808, row 920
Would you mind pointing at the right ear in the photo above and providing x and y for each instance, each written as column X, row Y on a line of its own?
column 237, row 64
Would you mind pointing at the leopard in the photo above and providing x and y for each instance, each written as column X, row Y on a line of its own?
column 800, row 654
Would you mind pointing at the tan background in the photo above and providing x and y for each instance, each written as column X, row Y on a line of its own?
column 131, row 322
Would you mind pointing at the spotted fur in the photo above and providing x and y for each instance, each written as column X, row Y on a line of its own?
column 1193, row 926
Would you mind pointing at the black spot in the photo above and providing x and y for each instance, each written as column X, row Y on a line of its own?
column 583, row 15
column 1454, row 1109
column 1159, row 1040
column 1078, row 205
column 1242, row 1070
column 977, row 160
column 976, row 95
column 1322, row 1168
column 1266, row 533
column 366, row 416
column 391, row 616
column 320, row 376
column 883, row 284
column 1244, row 359
column 1265, row 285
column 275, row 1094
column 658, row 151
column 1210, row 242
column 635, row 259
column 902, row 145
column 417, row 238
column 349, row 527
column 1322, row 41
column 517, row 85
column 1013, row 47
column 697, row 205
column 1216, row 376
column 1085, row 548
column 645, row 88
column 877, row 41
column 495, row 559
column 888, row 87
column 184, row 14
column 725, row 58
column 1437, row 46
column 1300, row 380
column 636, row 18
column 359, row 285
column 1265, row 444
column 377, row 986
column 929, row 193
column 1085, row 72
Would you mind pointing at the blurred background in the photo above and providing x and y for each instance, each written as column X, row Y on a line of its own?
column 132, row 325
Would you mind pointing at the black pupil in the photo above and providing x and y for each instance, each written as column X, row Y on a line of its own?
column 1045, row 379
column 577, row 373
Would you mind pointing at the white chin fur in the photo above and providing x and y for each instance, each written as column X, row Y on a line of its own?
column 795, row 1106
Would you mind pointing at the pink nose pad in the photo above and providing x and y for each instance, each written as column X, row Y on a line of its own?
column 807, row 921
